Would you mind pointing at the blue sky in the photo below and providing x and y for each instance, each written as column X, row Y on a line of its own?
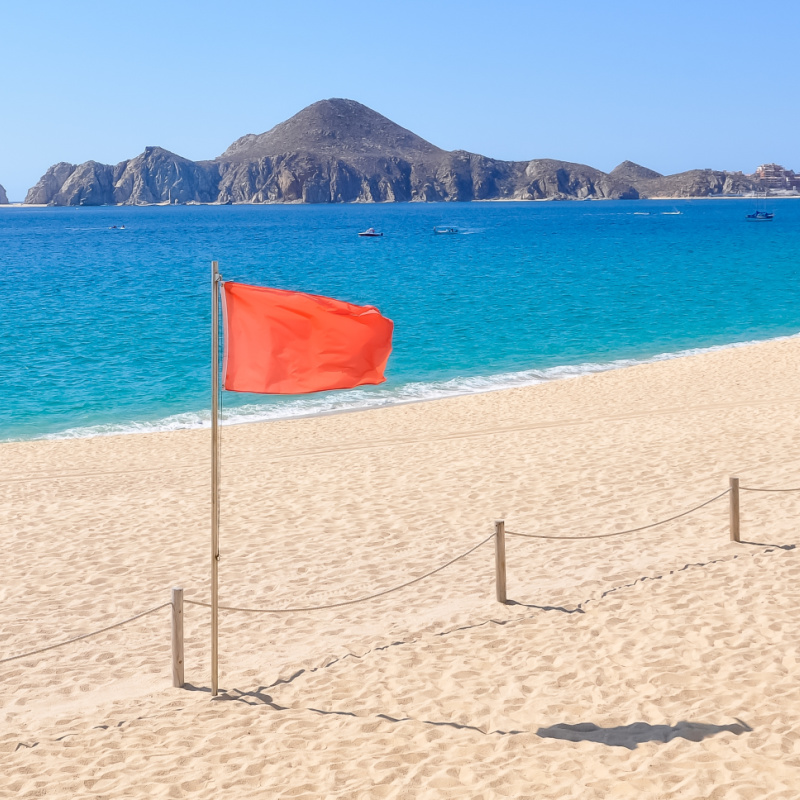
column 672, row 85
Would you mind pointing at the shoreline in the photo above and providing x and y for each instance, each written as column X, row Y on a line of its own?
column 415, row 202
column 446, row 390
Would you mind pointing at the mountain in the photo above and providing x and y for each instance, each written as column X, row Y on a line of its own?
column 3, row 196
column 628, row 171
column 334, row 128
column 340, row 151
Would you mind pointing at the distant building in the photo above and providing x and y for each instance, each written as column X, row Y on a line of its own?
column 774, row 176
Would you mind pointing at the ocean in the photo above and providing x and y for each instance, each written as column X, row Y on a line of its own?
column 107, row 330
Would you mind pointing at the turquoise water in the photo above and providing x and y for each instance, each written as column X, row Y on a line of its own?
column 108, row 330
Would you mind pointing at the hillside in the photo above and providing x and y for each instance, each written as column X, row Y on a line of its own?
column 628, row 171
column 333, row 128
column 340, row 151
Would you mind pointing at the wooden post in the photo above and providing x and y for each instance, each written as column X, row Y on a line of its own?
column 735, row 510
column 177, row 638
column 500, row 559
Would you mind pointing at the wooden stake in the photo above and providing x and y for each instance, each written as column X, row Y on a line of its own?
column 177, row 638
column 735, row 510
column 214, row 478
column 500, row 559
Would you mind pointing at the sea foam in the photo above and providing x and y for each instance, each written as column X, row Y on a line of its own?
column 380, row 397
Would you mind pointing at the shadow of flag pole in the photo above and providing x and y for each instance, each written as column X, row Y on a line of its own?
column 215, row 281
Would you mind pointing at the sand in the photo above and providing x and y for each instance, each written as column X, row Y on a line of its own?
column 662, row 664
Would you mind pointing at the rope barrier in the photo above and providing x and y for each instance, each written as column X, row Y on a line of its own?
column 751, row 489
column 85, row 635
column 346, row 602
column 385, row 591
column 619, row 533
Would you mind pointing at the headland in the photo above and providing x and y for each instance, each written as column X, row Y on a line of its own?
column 340, row 151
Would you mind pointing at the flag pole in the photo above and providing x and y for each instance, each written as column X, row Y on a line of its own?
column 214, row 478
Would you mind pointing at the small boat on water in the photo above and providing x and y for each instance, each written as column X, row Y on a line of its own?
column 762, row 215
column 445, row 229
column 671, row 213
column 370, row 232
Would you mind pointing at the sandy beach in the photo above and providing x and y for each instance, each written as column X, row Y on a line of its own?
column 660, row 664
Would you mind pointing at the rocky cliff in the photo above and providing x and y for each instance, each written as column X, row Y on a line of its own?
column 3, row 196
column 339, row 151
column 697, row 183
column 156, row 176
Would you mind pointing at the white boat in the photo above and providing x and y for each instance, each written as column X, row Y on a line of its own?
column 671, row 213
column 445, row 229
column 370, row 232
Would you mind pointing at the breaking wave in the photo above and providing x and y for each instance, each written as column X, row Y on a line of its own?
column 363, row 399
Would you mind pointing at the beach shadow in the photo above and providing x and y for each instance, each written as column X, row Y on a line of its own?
column 257, row 697
column 631, row 736
column 577, row 610
column 462, row 727
column 333, row 713
column 776, row 546
column 457, row 725
column 293, row 677
column 190, row 687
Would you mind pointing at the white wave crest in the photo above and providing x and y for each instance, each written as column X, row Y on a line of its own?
column 379, row 397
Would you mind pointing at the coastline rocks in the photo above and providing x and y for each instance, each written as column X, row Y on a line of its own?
column 158, row 176
column 155, row 176
column 50, row 184
column 698, row 183
column 305, row 178
column 694, row 183
column 3, row 196
column 340, row 151
column 562, row 180
column 88, row 184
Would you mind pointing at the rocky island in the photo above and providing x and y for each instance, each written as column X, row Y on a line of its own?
column 340, row 151
column 3, row 196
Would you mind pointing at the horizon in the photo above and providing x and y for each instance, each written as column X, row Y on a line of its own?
column 670, row 115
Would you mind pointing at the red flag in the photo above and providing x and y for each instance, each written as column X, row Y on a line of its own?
column 280, row 342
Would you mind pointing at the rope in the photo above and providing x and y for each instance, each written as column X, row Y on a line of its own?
column 85, row 635
column 751, row 489
column 620, row 533
column 346, row 602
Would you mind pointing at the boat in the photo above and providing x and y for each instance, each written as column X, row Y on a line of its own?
column 671, row 213
column 762, row 215
column 445, row 229
column 370, row 232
